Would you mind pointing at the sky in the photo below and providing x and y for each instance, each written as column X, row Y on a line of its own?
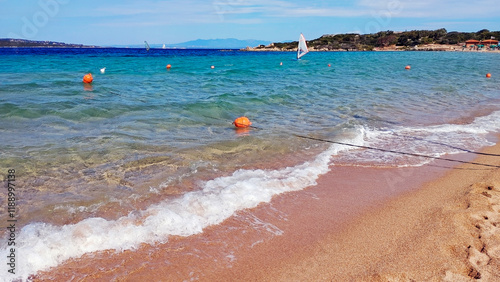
column 129, row 22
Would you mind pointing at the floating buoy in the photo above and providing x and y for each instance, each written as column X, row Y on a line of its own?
column 88, row 78
column 407, row 67
column 103, row 70
column 488, row 75
column 329, row 65
column 281, row 63
column 169, row 66
column 212, row 67
column 242, row 122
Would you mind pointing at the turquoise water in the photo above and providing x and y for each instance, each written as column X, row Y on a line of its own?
column 141, row 136
column 137, row 102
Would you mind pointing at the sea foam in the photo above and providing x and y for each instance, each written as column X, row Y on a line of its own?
column 218, row 199
column 431, row 141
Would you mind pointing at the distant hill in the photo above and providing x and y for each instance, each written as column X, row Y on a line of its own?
column 229, row 43
column 11, row 43
column 406, row 40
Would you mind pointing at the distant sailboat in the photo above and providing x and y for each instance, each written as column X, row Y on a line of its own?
column 302, row 49
column 147, row 45
column 164, row 47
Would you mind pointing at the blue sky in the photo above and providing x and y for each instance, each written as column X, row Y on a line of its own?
column 112, row 22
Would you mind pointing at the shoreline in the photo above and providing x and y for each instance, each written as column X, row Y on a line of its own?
column 446, row 230
column 381, row 50
column 320, row 233
column 421, row 48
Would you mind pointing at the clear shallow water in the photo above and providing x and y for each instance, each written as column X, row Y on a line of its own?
column 152, row 152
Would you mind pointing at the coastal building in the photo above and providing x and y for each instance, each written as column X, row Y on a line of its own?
column 491, row 43
column 471, row 42
column 479, row 45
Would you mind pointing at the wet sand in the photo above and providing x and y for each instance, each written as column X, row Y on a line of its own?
column 357, row 224
column 449, row 230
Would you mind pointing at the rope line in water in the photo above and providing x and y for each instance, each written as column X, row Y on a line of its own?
column 422, row 139
column 449, row 146
column 398, row 152
column 394, row 152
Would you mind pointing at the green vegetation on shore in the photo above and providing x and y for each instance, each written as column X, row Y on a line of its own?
column 406, row 40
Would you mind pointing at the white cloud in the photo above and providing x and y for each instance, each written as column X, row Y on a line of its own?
column 322, row 12
column 448, row 9
column 158, row 13
column 193, row 10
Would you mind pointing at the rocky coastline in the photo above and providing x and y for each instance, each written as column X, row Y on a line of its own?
column 415, row 40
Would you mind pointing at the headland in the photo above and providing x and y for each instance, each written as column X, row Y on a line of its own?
column 415, row 40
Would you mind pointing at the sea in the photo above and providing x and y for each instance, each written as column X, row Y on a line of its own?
column 145, row 153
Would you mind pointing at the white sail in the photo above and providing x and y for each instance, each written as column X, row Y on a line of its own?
column 147, row 45
column 164, row 47
column 302, row 49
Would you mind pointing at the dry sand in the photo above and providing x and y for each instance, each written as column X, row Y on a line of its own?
column 357, row 224
column 449, row 230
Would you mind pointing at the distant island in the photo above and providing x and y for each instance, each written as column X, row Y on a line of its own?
column 16, row 43
column 228, row 43
column 426, row 40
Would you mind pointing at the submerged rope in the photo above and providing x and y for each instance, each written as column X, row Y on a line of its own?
column 399, row 152
column 394, row 152
column 447, row 145
column 422, row 139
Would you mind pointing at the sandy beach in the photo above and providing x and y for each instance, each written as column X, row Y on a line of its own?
column 446, row 231
column 443, row 225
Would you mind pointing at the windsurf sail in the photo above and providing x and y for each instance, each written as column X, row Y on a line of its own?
column 147, row 45
column 302, row 49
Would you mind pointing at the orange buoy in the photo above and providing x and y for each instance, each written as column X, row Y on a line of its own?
column 407, row 67
column 169, row 66
column 88, row 78
column 329, row 65
column 488, row 75
column 242, row 122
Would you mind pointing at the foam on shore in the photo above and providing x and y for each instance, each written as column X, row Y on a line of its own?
column 220, row 198
column 49, row 245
